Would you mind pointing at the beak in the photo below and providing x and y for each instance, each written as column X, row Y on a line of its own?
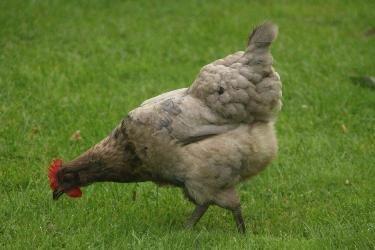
column 57, row 193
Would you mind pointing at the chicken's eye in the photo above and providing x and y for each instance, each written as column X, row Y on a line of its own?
column 67, row 178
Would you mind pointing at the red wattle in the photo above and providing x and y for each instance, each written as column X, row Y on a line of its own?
column 74, row 192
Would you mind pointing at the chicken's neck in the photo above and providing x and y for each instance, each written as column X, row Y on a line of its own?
column 113, row 159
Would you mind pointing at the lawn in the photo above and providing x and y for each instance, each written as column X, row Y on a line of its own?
column 82, row 65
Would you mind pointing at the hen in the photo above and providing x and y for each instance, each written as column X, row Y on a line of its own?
column 204, row 139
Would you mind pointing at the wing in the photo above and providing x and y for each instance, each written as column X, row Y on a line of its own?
column 180, row 116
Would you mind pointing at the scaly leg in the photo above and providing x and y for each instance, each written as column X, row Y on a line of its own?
column 237, row 214
column 229, row 199
column 196, row 215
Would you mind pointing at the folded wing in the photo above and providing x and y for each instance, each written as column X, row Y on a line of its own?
column 182, row 117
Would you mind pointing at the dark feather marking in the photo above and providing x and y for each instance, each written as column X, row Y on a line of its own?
column 194, row 139
column 116, row 133
column 132, row 157
column 165, row 122
column 170, row 107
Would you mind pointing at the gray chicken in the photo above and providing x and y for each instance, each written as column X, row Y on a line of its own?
column 204, row 139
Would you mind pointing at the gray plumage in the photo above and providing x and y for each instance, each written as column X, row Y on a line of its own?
column 206, row 138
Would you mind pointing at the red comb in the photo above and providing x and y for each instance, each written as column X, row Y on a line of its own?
column 52, row 172
column 53, row 182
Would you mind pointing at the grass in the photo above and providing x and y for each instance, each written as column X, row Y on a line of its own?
column 69, row 65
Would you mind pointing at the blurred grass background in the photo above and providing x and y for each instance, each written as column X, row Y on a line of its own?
column 82, row 65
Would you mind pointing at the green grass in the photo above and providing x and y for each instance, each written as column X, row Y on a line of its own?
column 69, row 65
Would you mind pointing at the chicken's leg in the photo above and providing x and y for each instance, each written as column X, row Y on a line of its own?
column 229, row 199
column 196, row 215
column 237, row 214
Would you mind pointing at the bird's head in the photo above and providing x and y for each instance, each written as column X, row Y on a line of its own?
column 64, row 179
column 69, row 177
column 110, row 160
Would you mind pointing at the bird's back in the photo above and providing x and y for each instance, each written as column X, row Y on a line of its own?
column 243, row 87
column 222, row 125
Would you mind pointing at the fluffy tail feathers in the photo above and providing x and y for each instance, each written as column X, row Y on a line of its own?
column 262, row 36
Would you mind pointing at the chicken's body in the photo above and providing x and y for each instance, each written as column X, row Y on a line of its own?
column 204, row 139
column 186, row 148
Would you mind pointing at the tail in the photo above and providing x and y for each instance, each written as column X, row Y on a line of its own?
column 262, row 36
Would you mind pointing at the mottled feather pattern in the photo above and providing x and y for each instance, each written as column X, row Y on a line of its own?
column 206, row 138
column 242, row 87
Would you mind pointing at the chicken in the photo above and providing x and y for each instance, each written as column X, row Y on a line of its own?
column 204, row 139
